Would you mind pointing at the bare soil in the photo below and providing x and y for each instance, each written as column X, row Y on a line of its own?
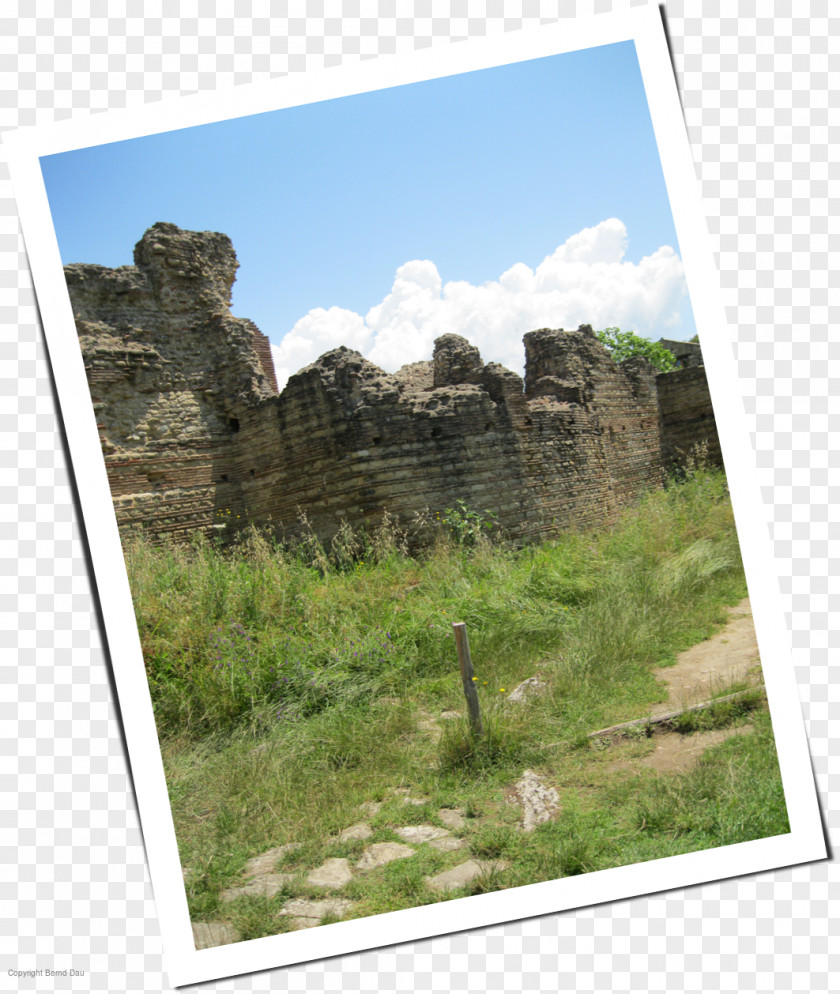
column 728, row 658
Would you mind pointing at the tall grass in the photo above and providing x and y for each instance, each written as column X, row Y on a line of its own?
column 292, row 683
column 257, row 636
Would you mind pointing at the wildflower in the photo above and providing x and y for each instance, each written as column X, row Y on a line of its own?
column 501, row 690
column 474, row 679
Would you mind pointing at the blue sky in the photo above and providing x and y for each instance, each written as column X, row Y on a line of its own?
column 473, row 174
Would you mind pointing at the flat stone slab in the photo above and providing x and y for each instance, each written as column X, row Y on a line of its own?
column 464, row 873
column 452, row 817
column 381, row 853
column 360, row 831
column 448, row 843
column 540, row 803
column 267, row 862
column 370, row 807
column 302, row 907
column 265, row 886
column 208, row 934
column 332, row 873
column 421, row 833
column 407, row 799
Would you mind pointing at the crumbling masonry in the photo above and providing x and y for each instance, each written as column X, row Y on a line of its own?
column 194, row 432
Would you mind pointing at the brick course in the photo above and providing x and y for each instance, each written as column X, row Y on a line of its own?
column 194, row 433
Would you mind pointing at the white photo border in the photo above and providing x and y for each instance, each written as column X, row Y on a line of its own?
column 805, row 842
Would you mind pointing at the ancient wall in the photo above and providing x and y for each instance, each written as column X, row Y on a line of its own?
column 685, row 353
column 195, row 435
column 172, row 375
column 687, row 420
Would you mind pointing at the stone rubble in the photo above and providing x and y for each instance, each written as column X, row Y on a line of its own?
column 331, row 874
column 421, row 833
column 381, row 853
column 208, row 934
column 360, row 831
column 523, row 690
column 464, row 873
column 540, row 803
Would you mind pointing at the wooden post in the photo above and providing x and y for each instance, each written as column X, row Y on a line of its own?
column 465, row 660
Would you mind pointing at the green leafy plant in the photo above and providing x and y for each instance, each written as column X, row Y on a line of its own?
column 628, row 345
column 467, row 526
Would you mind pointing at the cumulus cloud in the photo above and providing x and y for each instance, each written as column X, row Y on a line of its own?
column 586, row 280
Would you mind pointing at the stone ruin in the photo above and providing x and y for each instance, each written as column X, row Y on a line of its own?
column 196, row 436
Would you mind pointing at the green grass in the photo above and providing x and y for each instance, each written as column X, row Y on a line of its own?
column 292, row 684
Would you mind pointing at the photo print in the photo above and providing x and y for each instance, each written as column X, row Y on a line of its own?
column 402, row 413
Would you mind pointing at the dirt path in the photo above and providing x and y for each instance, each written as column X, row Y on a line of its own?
column 730, row 657
column 705, row 669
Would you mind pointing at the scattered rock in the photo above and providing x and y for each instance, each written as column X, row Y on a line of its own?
column 464, row 873
column 360, row 831
column 452, row 817
column 266, row 885
column 370, row 807
column 524, row 689
column 267, row 862
column 207, row 934
column 404, row 792
column 303, row 908
column 332, row 873
column 421, row 833
column 381, row 853
column 449, row 715
column 540, row 803
column 447, row 844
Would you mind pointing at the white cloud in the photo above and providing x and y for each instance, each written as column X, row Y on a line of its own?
column 584, row 281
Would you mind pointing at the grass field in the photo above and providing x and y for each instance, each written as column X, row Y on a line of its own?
column 293, row 684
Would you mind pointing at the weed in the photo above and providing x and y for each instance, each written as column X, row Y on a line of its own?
column 287, row 678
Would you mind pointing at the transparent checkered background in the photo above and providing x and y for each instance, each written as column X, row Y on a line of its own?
column 759, row 81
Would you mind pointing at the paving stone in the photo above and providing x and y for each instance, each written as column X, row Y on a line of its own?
column 370, row 807
column 360, row 831
column 266, row 885
column 267, row 862
column 421, row 833
column 300, row 923
column 540, row 803
column 208, row 934
column 381, row 853
column 332, row 873
column 303, row 907
column 452, row 817
column 463, row 874
column 407, row 799
column 448, row 844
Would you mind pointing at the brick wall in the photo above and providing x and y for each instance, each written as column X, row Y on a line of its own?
column 195, row 435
